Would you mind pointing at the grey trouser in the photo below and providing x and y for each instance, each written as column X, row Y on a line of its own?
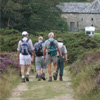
column 40, row 63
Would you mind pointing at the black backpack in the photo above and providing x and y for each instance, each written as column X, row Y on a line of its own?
column 38, row 49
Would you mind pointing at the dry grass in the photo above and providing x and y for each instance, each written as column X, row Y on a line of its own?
column 7, row 82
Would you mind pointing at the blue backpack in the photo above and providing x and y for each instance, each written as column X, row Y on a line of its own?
column 52, row 50
column 24, row 47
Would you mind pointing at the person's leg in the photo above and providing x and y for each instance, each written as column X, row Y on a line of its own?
column 58, row 63
column 23, row 73
column 54, row 59
column 61, row 69
column 58, row 66
column 22, row 64
column 39, row 75
column 22, row 69
column 38, row 67
column 28, row 64
column 49, row 69
column 48, row 62
column 39, row 72
column 55, row 66
column 49, row 72
column 43, row 73
column 43, row 69
column 28, row 69
column 28, row 72
column 55, row 73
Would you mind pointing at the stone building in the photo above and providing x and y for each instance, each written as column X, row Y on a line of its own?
column 80, row 15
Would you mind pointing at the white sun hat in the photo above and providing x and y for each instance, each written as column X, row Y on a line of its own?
column 25, row 33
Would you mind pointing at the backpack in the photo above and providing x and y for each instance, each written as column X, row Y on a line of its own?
column 38, row 49
column 61, row 46
column 62, row 50
column 24, row 47
column 52, row 50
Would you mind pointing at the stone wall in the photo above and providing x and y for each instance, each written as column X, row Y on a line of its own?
column 82, row 20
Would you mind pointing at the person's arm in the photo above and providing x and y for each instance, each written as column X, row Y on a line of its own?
column 18, row 56
column 66, row 58
column 44, row 52
column 33, row 51
column 58, row 49
column 18, row 51
column 65, row 55
column 33, row 57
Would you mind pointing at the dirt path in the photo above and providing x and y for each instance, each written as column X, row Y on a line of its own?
column 43, row 90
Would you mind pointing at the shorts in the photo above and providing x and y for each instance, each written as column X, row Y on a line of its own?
column 40, row 63
column 51, row 59
column 25, row 59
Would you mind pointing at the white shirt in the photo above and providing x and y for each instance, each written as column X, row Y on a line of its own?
column 29, row 42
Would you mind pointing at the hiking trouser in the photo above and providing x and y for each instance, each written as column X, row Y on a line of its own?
column 60, row 66
column 40, row 63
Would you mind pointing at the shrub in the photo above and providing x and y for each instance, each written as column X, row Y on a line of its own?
column 9, row 73
column 8, row 60
column 86, row 75
column 77, row 43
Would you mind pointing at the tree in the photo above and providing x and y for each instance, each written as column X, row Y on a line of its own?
column 31, row 15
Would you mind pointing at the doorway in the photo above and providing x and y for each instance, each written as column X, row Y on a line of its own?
column 72, row 26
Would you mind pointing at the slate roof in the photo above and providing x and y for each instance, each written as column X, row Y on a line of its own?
column 94, row 7
column 70, row 7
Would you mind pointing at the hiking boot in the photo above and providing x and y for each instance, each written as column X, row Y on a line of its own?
column 27, row 77
column 60, row 78
column 23, row 80
column 55, row 75
column 43, row 77
column 36, row 76
column 39, row 79
column 50, row 79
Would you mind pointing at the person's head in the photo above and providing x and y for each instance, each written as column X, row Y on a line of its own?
column 51, row 35
column 60, row 40
column 40, row 38
column 25, row 34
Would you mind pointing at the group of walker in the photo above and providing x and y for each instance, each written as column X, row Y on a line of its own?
column 44, row 53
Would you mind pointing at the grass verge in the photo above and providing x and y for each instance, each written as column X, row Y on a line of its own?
column 7, row 81
column 86, row 76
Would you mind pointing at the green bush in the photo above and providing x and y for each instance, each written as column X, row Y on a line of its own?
column 77, row 43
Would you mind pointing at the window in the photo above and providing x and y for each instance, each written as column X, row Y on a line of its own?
column 92, row 25
column 81, row 19
column 91, row 19
column 77, row 24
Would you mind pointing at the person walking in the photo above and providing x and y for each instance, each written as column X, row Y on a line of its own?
column 23, row 55
column 60, row 62
column 50, row 50
column 38, row 58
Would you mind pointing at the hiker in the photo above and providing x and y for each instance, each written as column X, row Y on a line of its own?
column 39, row 61
column 50, row 50
column 23, row 55
column 60, row 62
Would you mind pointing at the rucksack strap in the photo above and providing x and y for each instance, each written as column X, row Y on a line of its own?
column 26, row 40
column 51, row 41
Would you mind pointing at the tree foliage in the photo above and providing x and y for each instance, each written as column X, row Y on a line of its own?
column 31, row 15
